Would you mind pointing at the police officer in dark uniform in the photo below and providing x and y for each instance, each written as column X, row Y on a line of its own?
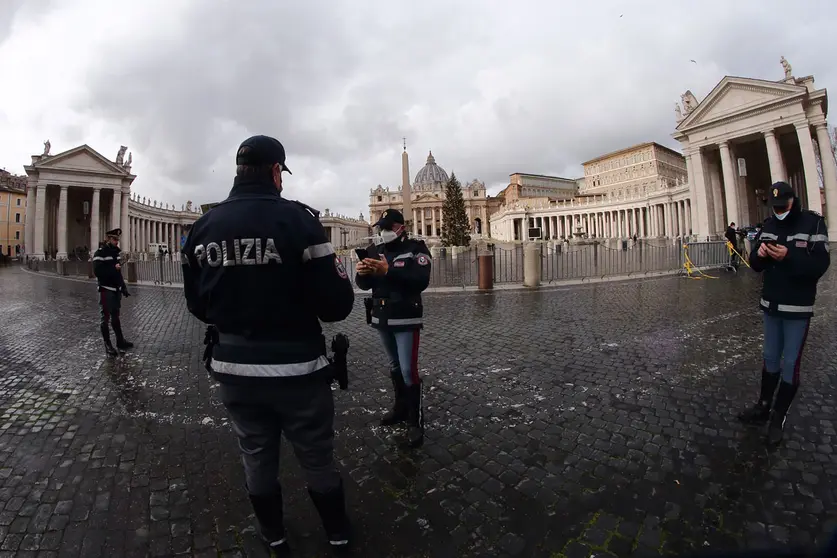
column 397, row 271
column 792, row 252
column 260, row 270
column 111, row 287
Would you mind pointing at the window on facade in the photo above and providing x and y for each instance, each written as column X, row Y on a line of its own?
column 18, row 202
column 17, row 217
column 17, row 235
column 380, row 198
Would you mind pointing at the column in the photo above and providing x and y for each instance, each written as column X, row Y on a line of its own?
column 126, row 245
column 809, row 163
column 690, row 224
column 62, row 224
column 642, row 216
column 774, row 157
column 29, row 225
column 95, row 238
column 701, row 209
column 829, row 178
column 40, row 224
column 116, row 209
column 730, row 185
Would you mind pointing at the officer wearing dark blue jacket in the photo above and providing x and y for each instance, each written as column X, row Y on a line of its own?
column 397, row 272
column 260, row 269
column 792, row 252
column 111, row 286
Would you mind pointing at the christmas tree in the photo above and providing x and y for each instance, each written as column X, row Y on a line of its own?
column 456, row 230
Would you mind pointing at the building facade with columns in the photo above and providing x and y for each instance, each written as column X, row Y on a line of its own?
column 747, row 134
column 73, row 197
column 638, row 191
column 427, row 196
column 346, row 232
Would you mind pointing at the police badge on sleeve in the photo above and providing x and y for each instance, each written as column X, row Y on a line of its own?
column 422, row 260
column 341, row 269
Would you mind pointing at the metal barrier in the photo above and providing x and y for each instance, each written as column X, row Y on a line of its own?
column 508, row 263
column 454, row 266
column 708, row 254
column 459, row 267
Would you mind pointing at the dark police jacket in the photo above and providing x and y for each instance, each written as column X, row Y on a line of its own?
column 396, row 297
column 108, row 277
column 261, row 270
column 790, row 286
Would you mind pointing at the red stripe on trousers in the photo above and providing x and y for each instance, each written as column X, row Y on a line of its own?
column 798, row 363
column 414, row 358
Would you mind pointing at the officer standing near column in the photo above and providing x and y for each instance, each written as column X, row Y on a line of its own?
column 792, row 252
column 260, row 269
column 111, row 286
column 397, row 272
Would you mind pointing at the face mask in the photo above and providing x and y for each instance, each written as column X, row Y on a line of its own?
column 781, row 216
column 387, row 236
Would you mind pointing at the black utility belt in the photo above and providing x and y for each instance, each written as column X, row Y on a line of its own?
column 386, row 309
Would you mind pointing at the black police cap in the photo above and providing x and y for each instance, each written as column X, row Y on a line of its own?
column 258, row 151
column 780, row 194
column 390, row 218
column 114, row 232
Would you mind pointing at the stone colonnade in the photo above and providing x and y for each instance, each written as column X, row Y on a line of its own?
column 713, row 204
column 46, row 219
column 422, row 217
column 667, row 219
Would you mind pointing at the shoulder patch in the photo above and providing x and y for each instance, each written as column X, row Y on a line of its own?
column 422, row 259
column 341, row 269
column 309, row 209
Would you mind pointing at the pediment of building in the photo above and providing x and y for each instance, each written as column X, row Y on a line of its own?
column 736, row 96
column 81, row 159
column 427, row 197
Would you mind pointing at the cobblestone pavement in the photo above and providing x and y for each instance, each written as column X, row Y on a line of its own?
column 593, row 420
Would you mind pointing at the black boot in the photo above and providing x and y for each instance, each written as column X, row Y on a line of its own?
column 398, row 414
column 121, row 343
column 268, row 511
column 784, row 397
column 111, row 352
column 332, row 509
column 415, row 416
column 760, row 412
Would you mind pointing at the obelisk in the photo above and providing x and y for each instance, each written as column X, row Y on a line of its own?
column 406, row 195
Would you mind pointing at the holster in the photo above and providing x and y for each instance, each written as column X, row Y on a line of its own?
column 210, row 339
column 367, row 304
column 339, row 362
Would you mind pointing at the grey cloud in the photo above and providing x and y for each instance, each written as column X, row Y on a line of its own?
column 533, row 88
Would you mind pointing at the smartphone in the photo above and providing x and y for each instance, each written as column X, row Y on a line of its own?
column 362, row 254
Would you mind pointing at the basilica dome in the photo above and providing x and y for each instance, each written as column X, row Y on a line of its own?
column 431, row 176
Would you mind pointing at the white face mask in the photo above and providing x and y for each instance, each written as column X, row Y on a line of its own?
column 385, row 237
column 780, row 216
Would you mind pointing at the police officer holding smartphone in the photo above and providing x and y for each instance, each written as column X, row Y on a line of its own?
column 111, row 286
column 397, row 270
column 792, row 252
column 260, row 269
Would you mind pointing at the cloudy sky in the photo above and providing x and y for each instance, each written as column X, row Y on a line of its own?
column 491, row 87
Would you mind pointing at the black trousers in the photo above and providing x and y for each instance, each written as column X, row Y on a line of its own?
column 303, row 411
column 110, row 302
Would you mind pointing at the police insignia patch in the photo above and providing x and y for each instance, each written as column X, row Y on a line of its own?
column 341, row 269
column 422, row 260
column 399, row 263
column 801, row 244
column 775, row 192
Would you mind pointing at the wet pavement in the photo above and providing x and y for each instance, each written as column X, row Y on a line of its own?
column 570, row 422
